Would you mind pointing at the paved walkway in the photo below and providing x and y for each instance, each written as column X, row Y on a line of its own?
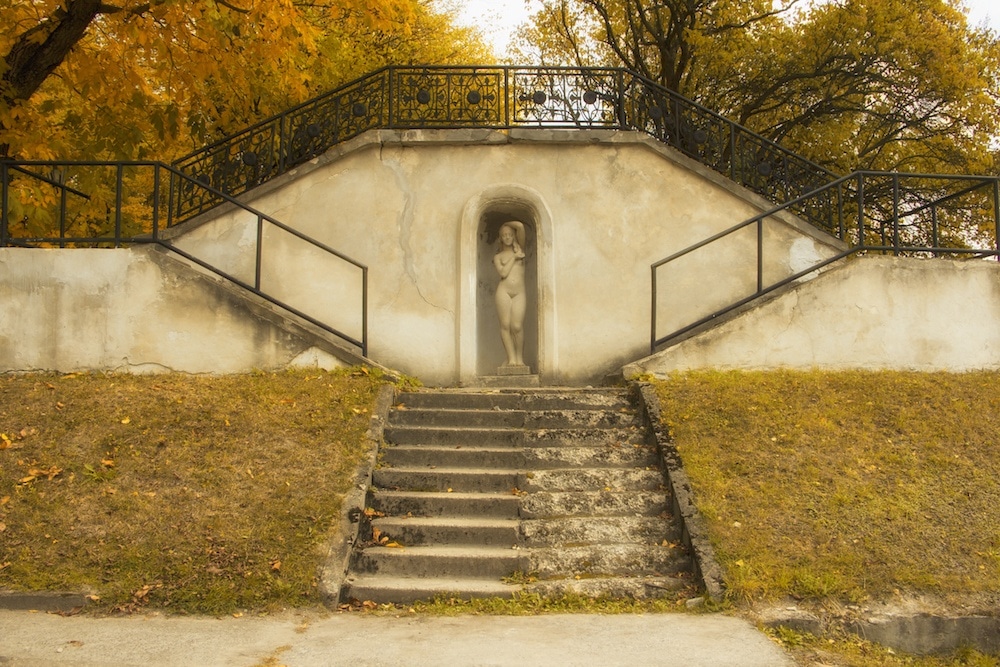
column 311, row 640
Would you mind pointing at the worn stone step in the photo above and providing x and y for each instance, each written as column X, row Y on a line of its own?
column 598, row 530
column 426, row 504
column 593, row 503
column 440, row 561
column 444, row 530
column 516, row 400
column 404, row 590
column 593, row 479
column 497, row 418
column 636, row 588
column 611, row 456
column 446, row 479
column 607, row 559
column 452, row 456
column 451, row 436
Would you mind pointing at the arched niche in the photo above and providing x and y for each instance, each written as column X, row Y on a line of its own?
column 480, row 349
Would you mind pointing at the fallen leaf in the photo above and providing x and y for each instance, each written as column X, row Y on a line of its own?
column 276, row 565
column 4, row 500
column 127, row 420
column 3, row 526
column 394, row 545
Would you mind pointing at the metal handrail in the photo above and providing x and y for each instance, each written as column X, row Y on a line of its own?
column 856, row 237
column 152, row 227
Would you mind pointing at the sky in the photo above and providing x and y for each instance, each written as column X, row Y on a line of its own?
column 499, row 18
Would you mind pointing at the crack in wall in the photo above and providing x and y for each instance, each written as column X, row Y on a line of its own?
column 404, row 222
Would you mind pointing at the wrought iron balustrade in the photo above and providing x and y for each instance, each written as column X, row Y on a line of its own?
column 493, row 97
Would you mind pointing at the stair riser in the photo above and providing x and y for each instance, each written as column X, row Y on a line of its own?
column 409, row 456
column 433, row 506
column 592, row 479
column 594, row 530
column 544, row 458
column 403, row 595
column 432, row 480
column 594, row 503
column 606, row 560
column 471, row 438
column 414, row 435
column 377, row 561
column 511, row 419
column 419, row 535
column 514, row 401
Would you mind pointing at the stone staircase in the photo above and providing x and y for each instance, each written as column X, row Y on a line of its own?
column 486, row 493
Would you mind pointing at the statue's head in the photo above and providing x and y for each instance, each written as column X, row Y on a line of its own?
column 515, row 229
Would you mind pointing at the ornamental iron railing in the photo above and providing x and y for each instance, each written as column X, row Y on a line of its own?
column 502, row 98
column 913, row 215
column 110, row 205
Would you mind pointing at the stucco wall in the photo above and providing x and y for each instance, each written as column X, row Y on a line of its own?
column 132, row 310
column 603, row 206
column 877, row 313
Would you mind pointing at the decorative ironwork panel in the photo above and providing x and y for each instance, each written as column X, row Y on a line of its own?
column 566, row 97
column 452, row 97
column 315, row 127
column 242, row 162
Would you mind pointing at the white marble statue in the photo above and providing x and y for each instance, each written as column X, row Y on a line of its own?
column 511, row 299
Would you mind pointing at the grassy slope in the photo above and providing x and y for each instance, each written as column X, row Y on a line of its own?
column 200, row 494
column 852, row 485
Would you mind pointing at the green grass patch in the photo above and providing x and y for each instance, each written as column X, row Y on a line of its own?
column 851, row 485
column 188, row 493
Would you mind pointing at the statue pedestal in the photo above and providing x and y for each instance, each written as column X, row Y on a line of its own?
column 509, row 376
column 508, row 369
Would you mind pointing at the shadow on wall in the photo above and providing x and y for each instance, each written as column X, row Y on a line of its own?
column 491, row 353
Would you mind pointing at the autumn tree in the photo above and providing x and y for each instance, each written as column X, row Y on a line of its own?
column 876, row 84
column 107, row 79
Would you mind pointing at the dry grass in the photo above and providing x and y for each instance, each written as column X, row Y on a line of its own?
column 850, row 485
column 195, row 494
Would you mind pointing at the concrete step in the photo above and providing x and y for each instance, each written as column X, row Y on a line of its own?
column 437, row 561
column 446, row 479
column 636, row 588
column 594, row 503
column 598, row 530
column 425, row 504
column 513, row 437
column 611, row 456
column 607, row 560
column 497, row 418
column 417, row 456
column 593, row 479
column 516, row 400
column 417, row 531
column 405, row 590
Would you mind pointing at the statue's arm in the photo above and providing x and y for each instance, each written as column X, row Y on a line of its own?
column 502, row 267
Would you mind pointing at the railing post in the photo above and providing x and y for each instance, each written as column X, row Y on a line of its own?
column 895, row 215
column 934, row 230
column 732, row 153
column 760, row 255
column 62, row 209
column 364, row 311
column 390, row 101
column 156, row 201
column 260, row 252
column 4, row 201
column 861, row 211
column 841, row 230
column 652, row 319
column 996, row 213
column 119, row 187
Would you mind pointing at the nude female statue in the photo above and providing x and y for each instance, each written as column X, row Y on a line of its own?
column 510, row 297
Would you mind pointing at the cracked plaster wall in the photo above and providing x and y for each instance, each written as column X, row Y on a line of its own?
column 872, row 312
column 78, row 310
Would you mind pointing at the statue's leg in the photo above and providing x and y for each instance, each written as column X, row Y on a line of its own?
column 518, row 307
column 503, row 302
